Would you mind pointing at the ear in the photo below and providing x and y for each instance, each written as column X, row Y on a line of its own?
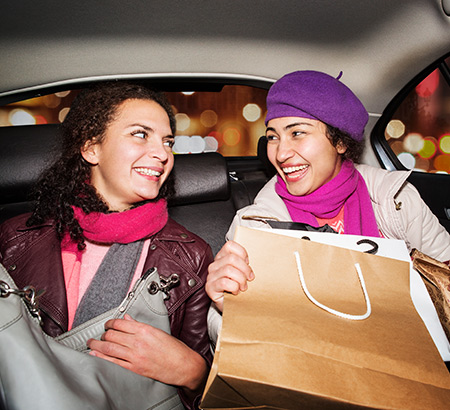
column 89, row 151
column 341, row 148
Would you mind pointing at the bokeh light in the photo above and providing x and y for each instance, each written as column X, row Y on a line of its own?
column 408, row 160
column 62, row 94
column 422, row 164
column 21, row 117
column 442, row 163
column 429, row 85
column 413, row 143
column 395, row 129
column 251, row 112
column 40, row 119
column 208, row 118
column 183, row 121
column 62, row 114
column 231, row 136
column 217, row 136
column 211, row 144
column 189, row 145
column 444, row 144
column 429, row 148
column 51, row 100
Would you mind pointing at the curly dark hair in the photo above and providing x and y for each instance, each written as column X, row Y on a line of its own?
column 65, row 182
column 354, row 149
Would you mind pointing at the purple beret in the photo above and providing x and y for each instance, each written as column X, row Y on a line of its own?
column 316, row 95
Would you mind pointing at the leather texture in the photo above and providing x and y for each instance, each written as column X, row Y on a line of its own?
column 57, row 375
column 32, row 256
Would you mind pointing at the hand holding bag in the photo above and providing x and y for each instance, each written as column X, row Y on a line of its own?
column 41, row 373
column 279, row 350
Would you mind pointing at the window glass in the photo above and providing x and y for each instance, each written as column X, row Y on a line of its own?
column 419, row 131
column 229, row 121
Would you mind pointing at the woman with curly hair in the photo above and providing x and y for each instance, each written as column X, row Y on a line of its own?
column 101, row 224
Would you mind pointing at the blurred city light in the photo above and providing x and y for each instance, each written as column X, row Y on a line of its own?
column 208, row 118
column 408, row 160
column 395, row 129
column 62, row 114
column 442, row 163
column 444, row 144
column 211, row 144
column 429, row 148
column 21, row 117
column 429, row 85
column 183, row 121
column 413, row 143
column 251, row 112
column 231, row 136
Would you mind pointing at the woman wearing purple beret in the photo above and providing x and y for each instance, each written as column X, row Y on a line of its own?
column 315, row 138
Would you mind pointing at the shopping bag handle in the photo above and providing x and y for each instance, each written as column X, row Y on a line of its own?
column 328, row 309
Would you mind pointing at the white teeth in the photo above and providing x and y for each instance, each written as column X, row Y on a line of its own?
column 148, row 171
column 288, row 170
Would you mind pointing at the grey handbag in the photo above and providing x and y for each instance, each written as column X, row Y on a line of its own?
column 39, row 372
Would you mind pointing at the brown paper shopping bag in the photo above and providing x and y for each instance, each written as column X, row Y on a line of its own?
column 278, row 350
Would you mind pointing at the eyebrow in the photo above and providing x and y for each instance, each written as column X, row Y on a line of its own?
column 149, row 129
column 289, row 126
column 142, row 126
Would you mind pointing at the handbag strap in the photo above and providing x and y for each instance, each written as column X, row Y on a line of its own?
column 328, row 309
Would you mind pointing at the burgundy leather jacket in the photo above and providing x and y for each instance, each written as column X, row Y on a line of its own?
column 32, row 256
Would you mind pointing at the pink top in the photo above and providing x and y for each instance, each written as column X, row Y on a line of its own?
column 78, row 276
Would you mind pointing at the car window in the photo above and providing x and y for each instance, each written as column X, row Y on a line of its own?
column 228, row 121
column 417, row 125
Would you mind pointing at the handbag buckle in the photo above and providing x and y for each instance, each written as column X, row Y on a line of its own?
column 165, row 286
column 28, row 295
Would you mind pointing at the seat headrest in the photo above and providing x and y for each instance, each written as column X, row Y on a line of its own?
column 25, row 153
column 27, row 150
column 200, row 178
column 262, row 155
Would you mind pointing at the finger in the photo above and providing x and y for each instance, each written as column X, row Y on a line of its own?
column 231, row 265
column 123, row 325
column 232, row 247
column 120, row 362
column 109, row 349
column 215, row 290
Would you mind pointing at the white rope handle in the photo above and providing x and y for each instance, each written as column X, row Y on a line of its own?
column 329, row 310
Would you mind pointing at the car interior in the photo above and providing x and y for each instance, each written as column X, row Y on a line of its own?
column 216, row 61
column 386, row 51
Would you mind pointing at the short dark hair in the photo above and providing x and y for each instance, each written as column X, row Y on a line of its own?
column 66, row 183
column 354, row 149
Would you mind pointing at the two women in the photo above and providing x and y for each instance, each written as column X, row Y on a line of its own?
column 315, row 133
column 101, row 222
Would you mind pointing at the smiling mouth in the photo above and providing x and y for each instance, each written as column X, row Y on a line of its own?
column 290, row 170
column 148, row 172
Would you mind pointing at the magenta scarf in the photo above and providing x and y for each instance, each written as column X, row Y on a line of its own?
column 347, row 189
column 119, row 227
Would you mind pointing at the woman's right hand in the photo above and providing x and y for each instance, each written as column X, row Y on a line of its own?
column 229, row 272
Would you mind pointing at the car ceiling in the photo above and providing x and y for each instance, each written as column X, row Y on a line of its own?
column 379, row 45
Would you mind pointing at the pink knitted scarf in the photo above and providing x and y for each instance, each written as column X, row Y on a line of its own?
column 347, row 190
column 119, row 227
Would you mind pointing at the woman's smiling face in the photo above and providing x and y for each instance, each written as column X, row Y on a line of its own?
column 302, row 153
column 135, row 156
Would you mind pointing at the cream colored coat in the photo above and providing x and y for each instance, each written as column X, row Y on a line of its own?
column 399, row 210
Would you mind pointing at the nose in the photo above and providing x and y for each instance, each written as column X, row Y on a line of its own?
column 156, row 149
column 284, row 150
